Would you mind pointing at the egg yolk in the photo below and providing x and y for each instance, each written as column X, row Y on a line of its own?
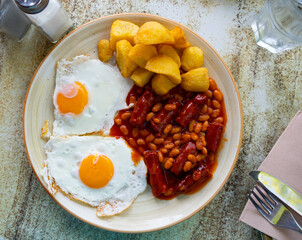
column 73, row 98
column 96, row 171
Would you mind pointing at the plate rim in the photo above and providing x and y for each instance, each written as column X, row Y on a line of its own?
column 238, row 147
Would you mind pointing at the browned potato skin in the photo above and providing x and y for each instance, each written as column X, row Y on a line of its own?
column 104, row 50
column 124, row 63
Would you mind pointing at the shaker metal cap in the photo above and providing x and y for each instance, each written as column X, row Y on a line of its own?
column 32, row 6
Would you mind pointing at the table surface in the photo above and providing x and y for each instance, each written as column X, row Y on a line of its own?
column 270, row 86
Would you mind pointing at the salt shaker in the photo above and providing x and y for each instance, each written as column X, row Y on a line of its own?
column 12, row 20
column 48, row 15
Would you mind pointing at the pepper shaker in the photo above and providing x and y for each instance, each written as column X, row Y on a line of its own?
column 48, row 15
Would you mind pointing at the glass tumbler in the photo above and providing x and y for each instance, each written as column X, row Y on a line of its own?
column 278, row 26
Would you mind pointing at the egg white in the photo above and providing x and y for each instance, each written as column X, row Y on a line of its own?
column 107, row 91
column 64, row 156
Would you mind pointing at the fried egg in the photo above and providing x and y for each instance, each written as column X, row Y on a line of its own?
column 96, row 170
column 87, row 95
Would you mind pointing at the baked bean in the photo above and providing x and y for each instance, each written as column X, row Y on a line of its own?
column 125, row 115
column 168, row 163
column 144, row 132
column 167, row 129
column 205, row 126
column 158, row 141
column 204, row 151
column 186, row 137
column 152, row 146
column 156, row 107
column 135, row 132
column 199, row 157
column 164, row 150
column 196, row 175
column 175, row 130
column 133, row 99
column 216, row 104
column 141, row 150
column 191, row 125
column 132, row 142
column 178, row 97
column 150, row 138
column 208, row 93
column 217, row 94
column 174, row 152
column 177, row 142
column 199, row 144
column 194, row 136
column 169, row 145
column 187, row 166
column 149, row 116
column 177, row 136
column 170, row 107
column 204, row 108
column 141, row 141
column 167, row 142
column 210, row 110
column 118, row 121
column 215, row 113
column 197, row 127
column 203, row 140
column 209, row 102
column 124, row 130
column 213, row 84
column 218, row 120
column 191, row 158
column 203, row 117
column 160, row 156
column 156, row 120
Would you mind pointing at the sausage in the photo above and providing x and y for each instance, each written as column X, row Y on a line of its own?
column 165, row 117
column 182, row 157
column 213, row 136
column 191, row 109
column 142, row 108
column 156, row 175
column 186, row 183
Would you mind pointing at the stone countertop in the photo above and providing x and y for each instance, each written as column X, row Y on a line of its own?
column 270, row 86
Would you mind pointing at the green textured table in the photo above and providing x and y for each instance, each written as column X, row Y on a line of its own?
column 270, row 86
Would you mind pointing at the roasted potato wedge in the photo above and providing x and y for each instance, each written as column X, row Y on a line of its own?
column 161, row 84
column 153, row 33
column 141, row 76
column 179, row 37
column 196, row 80
column 191, row 58
column 170, row 52
column 121, row 30
column 126, row 66
column 163, row 64
column 104, row 50
column 141, row 53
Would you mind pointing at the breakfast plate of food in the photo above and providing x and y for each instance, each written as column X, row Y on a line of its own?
column 132, row 123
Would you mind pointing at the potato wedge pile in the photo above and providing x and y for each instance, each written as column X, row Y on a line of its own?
column 154, row 53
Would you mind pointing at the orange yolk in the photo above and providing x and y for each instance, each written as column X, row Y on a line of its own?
column 72, row 99
column 96, row 171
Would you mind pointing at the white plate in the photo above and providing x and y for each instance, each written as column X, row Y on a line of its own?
column 147, row 213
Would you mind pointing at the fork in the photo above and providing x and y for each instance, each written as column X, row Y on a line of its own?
column 273, row 210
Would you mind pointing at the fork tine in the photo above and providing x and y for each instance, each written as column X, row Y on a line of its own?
column 268, row 193
column 272, row 204
column 257, row 206
column 269, row 210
